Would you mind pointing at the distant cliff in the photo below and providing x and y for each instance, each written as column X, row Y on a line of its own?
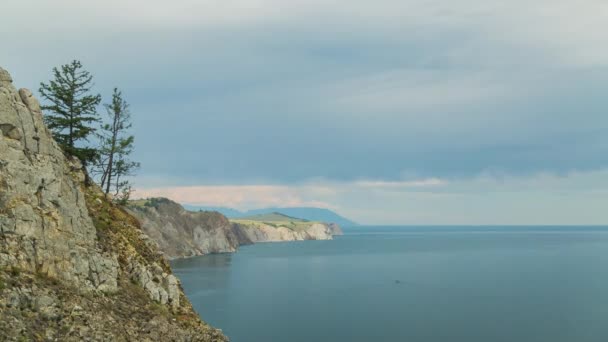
column 273, row 227
column 311, row 214
column 181, row 233
column 73, row 266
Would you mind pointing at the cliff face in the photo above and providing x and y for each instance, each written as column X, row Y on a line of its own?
column 180, row 233
column 72, row 265
column 271, row 232
column 335, row 229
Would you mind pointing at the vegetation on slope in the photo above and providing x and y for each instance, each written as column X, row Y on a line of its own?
column 272, row 217
column 121, row 233
column 37, row 307
column 274, row 220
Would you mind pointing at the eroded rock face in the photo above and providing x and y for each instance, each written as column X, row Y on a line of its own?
column 180, row 233
column 263, row 232
column 335, row 229
column 74, row 266
column 44, row 221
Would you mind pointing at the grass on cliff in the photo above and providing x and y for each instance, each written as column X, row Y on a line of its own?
column 292, row 225
column 148, row 203
column 272, row 217
column 130, row 305
column 121, row 233
column 275, row 220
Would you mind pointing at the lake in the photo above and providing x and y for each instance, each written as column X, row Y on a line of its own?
column 410, row 284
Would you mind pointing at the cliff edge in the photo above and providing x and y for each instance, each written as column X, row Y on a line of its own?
column 181, row 233
column 74, row 266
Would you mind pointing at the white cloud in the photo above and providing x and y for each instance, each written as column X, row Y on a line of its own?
column 545, row 198
column 402, row 78
column 238, row 197
column 567, row 32
column 423, row 183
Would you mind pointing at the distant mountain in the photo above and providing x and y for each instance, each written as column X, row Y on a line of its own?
column 311, row 214
column 306, row 213
column 272, row 217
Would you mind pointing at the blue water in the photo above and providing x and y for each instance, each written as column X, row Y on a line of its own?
column 470, row 284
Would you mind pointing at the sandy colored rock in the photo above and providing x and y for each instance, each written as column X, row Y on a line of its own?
column 74, row 266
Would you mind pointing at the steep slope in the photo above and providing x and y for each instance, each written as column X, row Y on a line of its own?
column 261, row 231
column 181, row 233
column 272, row 227
column 72, row 265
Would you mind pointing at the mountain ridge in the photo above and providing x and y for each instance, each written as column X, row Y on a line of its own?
column 306, row 213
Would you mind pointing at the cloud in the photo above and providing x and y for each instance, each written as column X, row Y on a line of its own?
column 418, row 90
column 238, row 197
column 266, row 95
column 528, row 26
column 489, row 198
column 423, row 183
column 247, row 197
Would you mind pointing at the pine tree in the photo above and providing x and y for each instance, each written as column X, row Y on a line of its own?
column 72, row 110
column 113, row 163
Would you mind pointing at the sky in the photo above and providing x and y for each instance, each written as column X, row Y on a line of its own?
column 387, row 111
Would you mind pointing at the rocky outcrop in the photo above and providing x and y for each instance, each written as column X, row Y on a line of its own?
column 45, row 224
column 181, row 233
column 266, row 232
column 73, row 266
column 335, row 229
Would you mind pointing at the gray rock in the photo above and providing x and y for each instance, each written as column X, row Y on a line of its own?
column 44, row 209
column 179, row 233
column 76, row 311
column 5, row 77
column 44, row 302
column 30, row 101
column 59, row 263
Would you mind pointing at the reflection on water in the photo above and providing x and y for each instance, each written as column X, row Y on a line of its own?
column 209, row 261
column 435, row 284
column 207, row 276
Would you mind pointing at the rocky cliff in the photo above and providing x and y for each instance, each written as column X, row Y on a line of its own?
column 335, row 229
column 73, row 266
column 181, row 233
column 278, row 231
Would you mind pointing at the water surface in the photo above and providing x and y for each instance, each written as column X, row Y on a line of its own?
column 473, row 284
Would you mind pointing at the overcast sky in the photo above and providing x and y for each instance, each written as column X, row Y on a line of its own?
column 388, row 111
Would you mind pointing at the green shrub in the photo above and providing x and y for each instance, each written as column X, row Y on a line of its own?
column 15, row 271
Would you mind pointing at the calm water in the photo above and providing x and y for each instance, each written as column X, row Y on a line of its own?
column 410, row 284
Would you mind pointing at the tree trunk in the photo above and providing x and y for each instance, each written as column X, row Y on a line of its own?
column 109, row 173
column 112, row 152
